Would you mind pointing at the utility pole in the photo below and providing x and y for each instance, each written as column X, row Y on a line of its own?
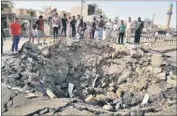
column 82, row 3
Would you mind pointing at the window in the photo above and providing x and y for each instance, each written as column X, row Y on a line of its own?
column 91, row 10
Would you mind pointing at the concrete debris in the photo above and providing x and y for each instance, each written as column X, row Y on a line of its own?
column 50, row 93
column 109, row 76
column 145, row 99
column 70, row 89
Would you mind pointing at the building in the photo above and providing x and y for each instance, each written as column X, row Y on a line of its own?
column 88, row 11
column 27, row 14
column 7, row 16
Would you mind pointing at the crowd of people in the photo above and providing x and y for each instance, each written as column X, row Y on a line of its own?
column 76, row 28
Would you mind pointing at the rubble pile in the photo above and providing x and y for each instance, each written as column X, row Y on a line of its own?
column 116, row 78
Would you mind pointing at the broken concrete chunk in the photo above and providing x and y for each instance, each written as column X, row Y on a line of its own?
column 157, row 70
column 89, row 99
column 156, row 60
column 154, row 89
column 70, row 89
column 101, row 97
column 31, row 95
column 171, row 81
column 145, row 99
column 108, row 107
column 50, row 93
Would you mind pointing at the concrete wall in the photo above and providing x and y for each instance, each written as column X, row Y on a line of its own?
column 76, row 10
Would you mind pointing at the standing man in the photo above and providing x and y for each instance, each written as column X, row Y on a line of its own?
column 64, row 20
column 109, row 26
column 121, row 32
column 73, row 25
column 40, row 29
column 129, row 30
column 77, row 26
column 3, row 37
column 138, row 31
column 101, row 27
column 55, row 25
column 93, row 28
column 30, row 31
column 15, row 33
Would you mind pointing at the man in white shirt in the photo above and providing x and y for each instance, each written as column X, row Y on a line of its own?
column 129, row 29
column 109, row 26
column 55, row 25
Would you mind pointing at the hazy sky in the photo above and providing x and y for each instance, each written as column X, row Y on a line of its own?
column 113, row 8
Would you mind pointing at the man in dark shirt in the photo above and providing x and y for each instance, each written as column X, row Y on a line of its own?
column 40, row 29
column 93, row 27
column 140, row 26
column 73, row 25
column 64, row 20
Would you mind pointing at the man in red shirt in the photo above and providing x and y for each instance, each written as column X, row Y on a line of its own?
column 15, row 33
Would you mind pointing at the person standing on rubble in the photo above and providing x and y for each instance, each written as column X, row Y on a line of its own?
column 77, row 26
column 93, row 28
column 121, row 32
column 109, row 26
column 69, row 28
column 138, row 31
column 30, row 31
column 129, row 30
column 115, row 30
column 73, row 25
column 55, row 25
column 15, row 30
column 101, row 27
column 40, row 29
column 64, row 25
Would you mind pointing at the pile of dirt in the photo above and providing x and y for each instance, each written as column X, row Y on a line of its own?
column 117, row 78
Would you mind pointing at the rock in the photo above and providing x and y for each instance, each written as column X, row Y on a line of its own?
column 72, row 71
column 89, row 99
column 156, row 60
column 150, row 68
column 108, row 107
column 30, row 60
column 31, row 95
column 154, row 89
column 111, row 84
column 46, row 53
column 50, row 93
column 119, row 93
column 145, row 99
column 31, row 47
column 118, row 106
column 111, row 95
column 44, row 111
column 171, row 81
column 101, row 97
column 139, row 70
column 124, row 76
column 111, row 89
column 162, row 76
column 157, row 70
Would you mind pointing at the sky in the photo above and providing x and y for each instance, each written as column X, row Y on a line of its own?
column 122, row 9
